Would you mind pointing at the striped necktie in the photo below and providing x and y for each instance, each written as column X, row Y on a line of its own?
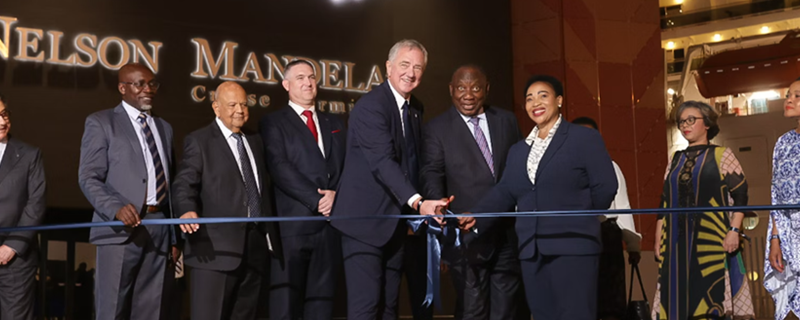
column 161, row 179
column 480, row 139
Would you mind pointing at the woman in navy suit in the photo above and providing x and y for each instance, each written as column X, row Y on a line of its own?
column 559, row 166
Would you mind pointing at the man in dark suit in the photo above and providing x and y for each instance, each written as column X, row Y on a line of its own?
column 464, row 155
column 381, row 178
column 124, row 172
column 222, row 174
column 22, row 189
column 305, row 155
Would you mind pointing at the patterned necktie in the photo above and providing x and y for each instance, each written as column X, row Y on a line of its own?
column 482, row 144
column 161, row 179
column 253, row 195
column 411, row 147
column 310, row 124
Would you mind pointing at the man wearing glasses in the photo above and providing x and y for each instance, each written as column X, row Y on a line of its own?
column 124, row 172
column 21, row 204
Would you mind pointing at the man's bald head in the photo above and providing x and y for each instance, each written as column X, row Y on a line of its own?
column 468, row 90
column 137, row 85
column 230, row 105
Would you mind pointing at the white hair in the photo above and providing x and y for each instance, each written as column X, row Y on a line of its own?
column 407, row 43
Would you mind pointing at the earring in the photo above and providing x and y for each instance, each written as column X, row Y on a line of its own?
column 559, row 106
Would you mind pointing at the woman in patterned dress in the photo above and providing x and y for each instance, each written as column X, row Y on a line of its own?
column 782, row 266
column 701, row 272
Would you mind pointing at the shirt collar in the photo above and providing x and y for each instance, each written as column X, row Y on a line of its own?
column 299, row 109
column 397, row 96
column 535, row 132
column 132, row 112
column 481, row 116
column 227, row 133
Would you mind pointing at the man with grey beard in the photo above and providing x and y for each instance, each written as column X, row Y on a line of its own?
column 124, row 172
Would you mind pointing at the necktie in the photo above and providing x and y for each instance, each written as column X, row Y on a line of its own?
column 161, row 179
column 310, row 124
column 250, row 186
column 482, row 144
column 411, row 147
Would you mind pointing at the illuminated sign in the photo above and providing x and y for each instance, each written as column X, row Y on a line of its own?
column 87, row 50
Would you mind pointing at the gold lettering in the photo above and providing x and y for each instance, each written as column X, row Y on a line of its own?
column 205, row 58
column 350, row 106
column 312, row 62
column 251, row 100
column 337, row 107
column 264, row 101
column 26, row 43
column 375, row 77
column 251, row 66
column 330, row 74
column 197, row 91
column 7, row 22
column 274, row 65
column 102, row 52
column 55, row 48
column 348, row 79
column 151, row 60
column 321, row 105
column 85, row 49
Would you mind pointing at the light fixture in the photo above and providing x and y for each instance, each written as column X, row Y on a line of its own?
column 764, row 29
column 717, row 37
column 670, row 91
column 678, row 1
column 670, row 45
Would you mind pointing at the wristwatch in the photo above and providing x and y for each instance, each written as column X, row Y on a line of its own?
column 773, row 237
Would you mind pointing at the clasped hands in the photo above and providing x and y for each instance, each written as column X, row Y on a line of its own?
column 439, row 207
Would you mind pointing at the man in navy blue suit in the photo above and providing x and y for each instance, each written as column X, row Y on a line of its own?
column 305, row 155
column 381, row 178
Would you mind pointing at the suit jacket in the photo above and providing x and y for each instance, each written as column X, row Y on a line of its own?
column 454, row 165
column 575, row 173
column 112, row 171
column 209, row 182
column 22, row 202
column 297, row 166
column 376, row 179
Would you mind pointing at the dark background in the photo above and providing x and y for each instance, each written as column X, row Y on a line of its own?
column 50, row 102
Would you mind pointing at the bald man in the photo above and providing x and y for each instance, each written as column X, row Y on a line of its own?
column 222, row 174
column 124, row 172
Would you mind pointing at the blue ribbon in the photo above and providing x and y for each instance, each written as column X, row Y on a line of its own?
column 434, row 230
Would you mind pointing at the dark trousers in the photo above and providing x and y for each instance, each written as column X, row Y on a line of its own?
column 305, row 287
column 232, row 295
column 611, row 302
column 415, row 266
column 489, row 289
column 130, row 276
column 17, row 292
column 373, row 277
column 561, row 287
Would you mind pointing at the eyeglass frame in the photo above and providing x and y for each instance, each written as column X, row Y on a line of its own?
column 153, row 85
column 690, row 120
column 5, row 114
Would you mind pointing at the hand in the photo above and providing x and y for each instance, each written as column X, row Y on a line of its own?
column 433, row 207
column 731, row 242
column 326, row 203
column 466, row 223
column 190, row 228
column 776, row 255
column 176, row 253
column 6, row 254
column 634, row 257
column 129, row 216
column 657, row 250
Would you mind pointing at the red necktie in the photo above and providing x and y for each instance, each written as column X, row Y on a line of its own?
column 310, row 124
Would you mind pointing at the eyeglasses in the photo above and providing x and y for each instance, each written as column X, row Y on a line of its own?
column 5, row 114
column 140, row 85
column 690, row 120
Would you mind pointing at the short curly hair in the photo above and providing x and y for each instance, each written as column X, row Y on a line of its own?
column 709, row 116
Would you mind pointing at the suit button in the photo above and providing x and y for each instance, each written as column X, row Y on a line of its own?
column 534, row 188
column 144, row 180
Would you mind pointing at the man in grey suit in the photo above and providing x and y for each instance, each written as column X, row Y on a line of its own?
column 126, row 155
column 21, row 204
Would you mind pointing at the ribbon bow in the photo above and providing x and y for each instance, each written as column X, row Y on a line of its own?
column 432, row 293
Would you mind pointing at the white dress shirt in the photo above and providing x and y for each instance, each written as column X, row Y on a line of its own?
column 299, row 110
column 2, row 150
column 400, row 101
column 133, row 114
column 483, row 124
column 624, row 221
column 233, row 144
column 538, row 148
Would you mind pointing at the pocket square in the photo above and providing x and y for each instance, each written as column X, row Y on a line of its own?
column 335, row 131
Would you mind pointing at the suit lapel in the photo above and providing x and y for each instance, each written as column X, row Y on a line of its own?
column 222, row 142
column 297, row 123
column 326, row 134
column 164, row 141
column 558, row 139
column 493, row 121
column 125, row 125
column 394, row 115
column 10, row 158
column 254, row 141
